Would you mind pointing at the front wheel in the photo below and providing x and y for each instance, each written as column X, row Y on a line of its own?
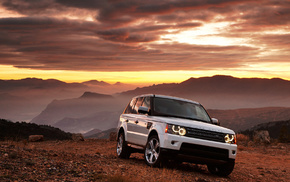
column 152, row 152
column 222, row 170
column 123, row 151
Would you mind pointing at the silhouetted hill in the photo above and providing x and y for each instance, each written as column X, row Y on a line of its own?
column 226, row 92
column 278, row 130
column 99, row 120
column 36, row 83
column 96, row 82
column 90, row 111
column 92, row 95
column 242, row 119
column 22, row 100
column 22, row 130
column 103, row 134
column 91, row 132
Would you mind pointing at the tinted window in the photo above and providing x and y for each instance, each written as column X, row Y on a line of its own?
column 181, row 109
column 146, row 102
column 138, row 104
column 130, row 107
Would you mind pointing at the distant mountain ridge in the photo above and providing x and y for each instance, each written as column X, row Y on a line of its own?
column 82, row 114
column 36, row 83
column 225, row 92
column 22, row 100
column 264, row 100
column 242, row 119
column 92, row 95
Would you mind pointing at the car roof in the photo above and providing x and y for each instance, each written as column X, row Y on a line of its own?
column 167, row 97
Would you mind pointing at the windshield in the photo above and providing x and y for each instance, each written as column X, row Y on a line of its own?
column 179, row 109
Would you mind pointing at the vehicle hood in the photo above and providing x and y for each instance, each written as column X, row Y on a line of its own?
column 192, row 124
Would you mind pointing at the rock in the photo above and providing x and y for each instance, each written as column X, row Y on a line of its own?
column 35, row 138
column 262, row 137
column 78, row 137
column 113, row 136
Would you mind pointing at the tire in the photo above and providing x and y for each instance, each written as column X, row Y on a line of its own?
column 123, row 151
column 152, row 153
column 222, row 170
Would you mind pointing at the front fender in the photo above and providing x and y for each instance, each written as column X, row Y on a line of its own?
column 158, row 128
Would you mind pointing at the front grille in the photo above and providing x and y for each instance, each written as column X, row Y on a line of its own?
column 204, row 151
column 205, row 134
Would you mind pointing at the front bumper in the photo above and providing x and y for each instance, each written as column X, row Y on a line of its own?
column 197, row 150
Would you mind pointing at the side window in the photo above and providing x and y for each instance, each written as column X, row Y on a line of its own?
column 138, row 104
column 146, row 102
column 130, row 107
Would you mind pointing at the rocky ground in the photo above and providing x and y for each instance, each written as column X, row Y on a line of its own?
column 95, row 160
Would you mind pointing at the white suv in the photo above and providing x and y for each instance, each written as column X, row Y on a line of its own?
column 168, row 128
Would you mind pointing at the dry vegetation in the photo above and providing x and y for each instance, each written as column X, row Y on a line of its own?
column 95, row 160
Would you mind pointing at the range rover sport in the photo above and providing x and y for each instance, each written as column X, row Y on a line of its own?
column 167, row 128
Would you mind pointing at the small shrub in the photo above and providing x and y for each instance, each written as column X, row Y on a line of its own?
column 242, row 139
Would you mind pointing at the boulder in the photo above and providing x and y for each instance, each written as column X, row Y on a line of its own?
column 262, row 137
column 78, row 137
column 35, row 138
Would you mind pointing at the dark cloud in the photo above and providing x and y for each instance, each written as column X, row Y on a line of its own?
column 87, row 4
column 124, row 34
column 32, row 7
column 68, row 45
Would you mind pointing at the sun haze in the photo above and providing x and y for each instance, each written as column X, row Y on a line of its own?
column 143, row 42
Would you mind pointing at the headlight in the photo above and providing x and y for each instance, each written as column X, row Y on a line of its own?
column 175, row 129
column 230, row 138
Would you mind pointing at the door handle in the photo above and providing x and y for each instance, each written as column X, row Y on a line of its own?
column 136, row 121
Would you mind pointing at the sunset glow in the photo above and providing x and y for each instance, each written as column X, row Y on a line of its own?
column 143, row 42
column 142, row 78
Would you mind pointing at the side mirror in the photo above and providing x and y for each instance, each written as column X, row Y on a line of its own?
column 143, row 110
column 215, row 121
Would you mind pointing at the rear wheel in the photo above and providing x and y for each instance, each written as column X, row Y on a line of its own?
column 222, row 170
column 152, row 152
column 123, row 151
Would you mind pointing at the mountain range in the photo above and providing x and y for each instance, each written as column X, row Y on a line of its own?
column 226, row 92
column 22, row 100
column 239, row 103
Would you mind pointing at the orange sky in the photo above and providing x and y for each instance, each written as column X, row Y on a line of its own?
column 144, row 42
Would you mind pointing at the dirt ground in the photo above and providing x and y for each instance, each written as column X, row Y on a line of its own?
column 95, row 160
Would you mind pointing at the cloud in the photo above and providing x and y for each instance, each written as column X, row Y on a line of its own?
column 128, row 35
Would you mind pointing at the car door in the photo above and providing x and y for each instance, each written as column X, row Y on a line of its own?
column 128, row 117
column 140, row 124
column 137, row 123
column 134, row 123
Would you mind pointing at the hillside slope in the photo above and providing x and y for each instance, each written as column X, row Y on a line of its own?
column 277, row 130
column 19, row 131
column 226, row 92
column 242, row 119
